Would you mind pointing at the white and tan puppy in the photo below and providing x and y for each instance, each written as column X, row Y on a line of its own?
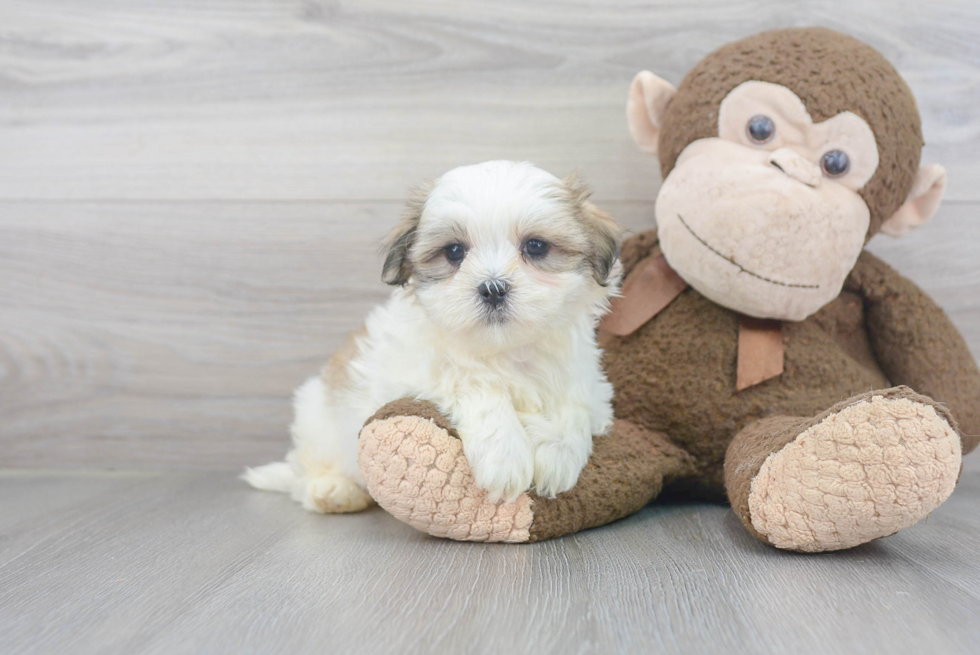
column 502, row 272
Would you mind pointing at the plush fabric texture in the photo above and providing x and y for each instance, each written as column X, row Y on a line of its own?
column 676, row 375
column 676, row 387
column 412, row 407
column 653, row 286
column 415, row 469
column 825, row 455
column 767, row 437
column 628, row 468
column 865, row 469
column 748, row 451
column 916, row 344
column 760, row 351
column 831, row 73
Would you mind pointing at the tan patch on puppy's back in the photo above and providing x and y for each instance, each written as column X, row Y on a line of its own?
column 336, row 374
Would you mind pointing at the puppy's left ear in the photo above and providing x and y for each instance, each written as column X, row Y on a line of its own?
column 605, row 234
column 398, row 267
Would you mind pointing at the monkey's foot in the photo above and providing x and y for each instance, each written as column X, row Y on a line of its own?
column 416, row 470
column 413, row 463
column 865, row 470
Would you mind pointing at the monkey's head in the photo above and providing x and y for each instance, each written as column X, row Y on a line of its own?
column 782, row 154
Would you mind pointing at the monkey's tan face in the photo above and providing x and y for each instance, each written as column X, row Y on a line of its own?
column 765, row 218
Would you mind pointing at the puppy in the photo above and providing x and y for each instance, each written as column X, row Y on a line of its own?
column 501, row 273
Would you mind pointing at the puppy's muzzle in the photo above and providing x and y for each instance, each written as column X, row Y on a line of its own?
column 493, row 292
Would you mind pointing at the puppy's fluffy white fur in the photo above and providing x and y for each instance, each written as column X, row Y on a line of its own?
column 502, row 339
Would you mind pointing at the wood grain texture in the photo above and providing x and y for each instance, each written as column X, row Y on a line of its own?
column 192, row 194
column 170, row 334
column 140, row 563
column 299, row 99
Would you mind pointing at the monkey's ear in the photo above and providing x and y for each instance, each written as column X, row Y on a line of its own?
column 923, row 201
column 398, row 268
column 645, row 108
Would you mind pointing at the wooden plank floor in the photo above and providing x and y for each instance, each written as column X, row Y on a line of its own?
column 194, row 562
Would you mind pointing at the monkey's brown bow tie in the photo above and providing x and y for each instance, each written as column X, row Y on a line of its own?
column 653, row 284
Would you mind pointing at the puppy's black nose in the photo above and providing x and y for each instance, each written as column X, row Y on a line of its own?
column 493, row 292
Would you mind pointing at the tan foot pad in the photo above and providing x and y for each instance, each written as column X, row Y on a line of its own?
column 418, row 473
column 865, row 472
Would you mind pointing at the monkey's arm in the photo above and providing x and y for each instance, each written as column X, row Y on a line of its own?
column 917, row 345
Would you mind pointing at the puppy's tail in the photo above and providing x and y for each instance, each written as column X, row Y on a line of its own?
column 277, row 476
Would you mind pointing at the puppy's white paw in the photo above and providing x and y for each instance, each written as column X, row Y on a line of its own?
column 601, row 411
column 332, row 494
column 501, row 462
column 557, row 466
column 561, row 451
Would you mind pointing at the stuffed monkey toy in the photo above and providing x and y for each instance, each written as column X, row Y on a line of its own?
column 758, row 353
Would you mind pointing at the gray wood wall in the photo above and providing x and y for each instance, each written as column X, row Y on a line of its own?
column 192, row 192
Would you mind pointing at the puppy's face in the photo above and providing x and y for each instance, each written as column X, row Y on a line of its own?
column 503, row 251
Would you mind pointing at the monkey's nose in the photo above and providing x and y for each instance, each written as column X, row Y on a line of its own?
column 493, row 291
column 796, row 166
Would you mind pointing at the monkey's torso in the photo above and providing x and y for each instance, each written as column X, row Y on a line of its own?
column 676, row 374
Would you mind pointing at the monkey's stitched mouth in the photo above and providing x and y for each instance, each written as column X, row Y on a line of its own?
column 731, row 260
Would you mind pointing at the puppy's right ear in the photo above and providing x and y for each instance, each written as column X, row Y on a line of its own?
column 605, row 234
column 398, row 267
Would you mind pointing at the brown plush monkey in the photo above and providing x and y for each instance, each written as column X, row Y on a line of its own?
column 756, row 345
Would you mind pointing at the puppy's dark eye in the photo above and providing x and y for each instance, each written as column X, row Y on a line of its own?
column 455, row 252
column 535, row 248
column 761, row 129
column 835, row 163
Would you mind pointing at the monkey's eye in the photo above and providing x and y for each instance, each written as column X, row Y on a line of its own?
column 760, row 129
column 535, row 248
column 835, row 163
column 455, row 252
